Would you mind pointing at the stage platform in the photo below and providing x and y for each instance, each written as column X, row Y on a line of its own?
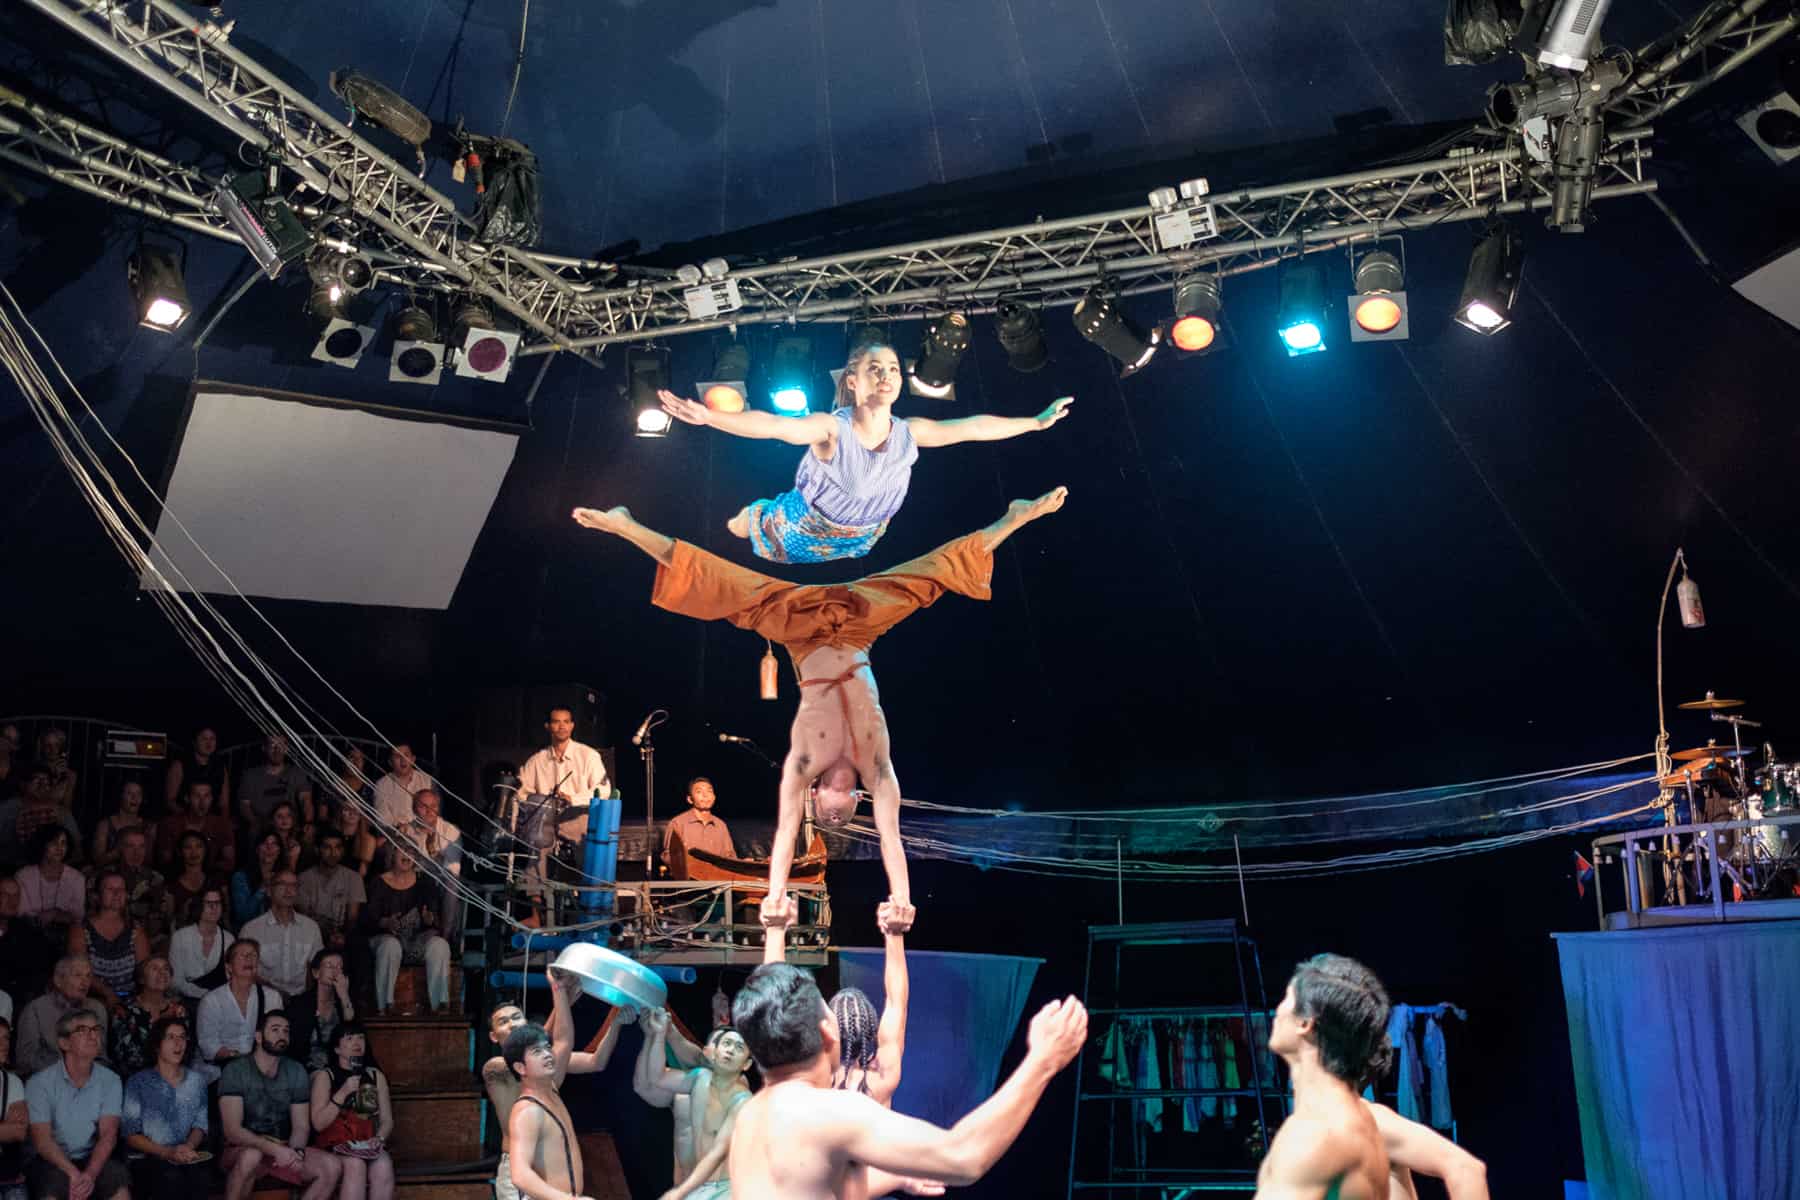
column 1685, row 1044
column 1701, row 914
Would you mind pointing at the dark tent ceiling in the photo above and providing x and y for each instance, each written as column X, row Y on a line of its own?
column 1396, row 563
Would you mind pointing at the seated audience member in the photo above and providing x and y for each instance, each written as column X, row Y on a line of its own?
column 51, row 892
column 354, row 1115
column 261, row 788
column 110, row 942
column 128, row 1043
column 35, row 1046
column 331, row 893
column 24, row 952
column 53, row 752
column 202, row 815
column 146, row 896
column 192, row 878
column 9, row 753
column 315, row 1014
column 75, row 1103
column 250, row 884
column 360, row 843
column 197, row 952
column 394, row 791
column 129, row 815
column 285, row 821
column 201, row 763
column 31, row 810
column 439, row 841
column 403, row 922
column 352, row 776
column 227, row 1021
column 265, row 1111
column 164, row 1119
column 15, row 1123
column 288, row 939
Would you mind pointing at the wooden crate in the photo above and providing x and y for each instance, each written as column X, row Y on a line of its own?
column 424, row 1053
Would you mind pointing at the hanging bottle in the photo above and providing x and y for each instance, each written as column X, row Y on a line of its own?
column 771, row 675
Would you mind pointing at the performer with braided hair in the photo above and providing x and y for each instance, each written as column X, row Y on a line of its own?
column 858, row 463
column 870, row 1050
column 839, row 733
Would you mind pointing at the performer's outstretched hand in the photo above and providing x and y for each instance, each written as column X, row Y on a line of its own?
column 690, row 412
column 894, row 918
column 920, row 1187
column 1059, row 408
column 1058, row 1032
column 780, row 911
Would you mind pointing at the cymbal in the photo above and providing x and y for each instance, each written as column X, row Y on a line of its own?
column 1701, row 752
column 1692, row 773
column 1711, row 703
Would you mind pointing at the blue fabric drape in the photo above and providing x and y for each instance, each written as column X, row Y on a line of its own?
column 964, row 1010
column 1686, row 1047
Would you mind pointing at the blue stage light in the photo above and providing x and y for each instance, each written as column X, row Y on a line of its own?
column 789, row 400
column 1301, row 318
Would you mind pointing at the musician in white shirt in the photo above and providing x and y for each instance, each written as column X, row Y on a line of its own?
column 567, row 770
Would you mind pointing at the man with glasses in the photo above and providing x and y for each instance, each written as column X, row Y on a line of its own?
column 286, row 939
column 74, row 1105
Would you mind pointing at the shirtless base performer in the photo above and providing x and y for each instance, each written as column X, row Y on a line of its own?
column 522, row 1084
column 1331, row 1030
column 839, row 732
column 802, row 1139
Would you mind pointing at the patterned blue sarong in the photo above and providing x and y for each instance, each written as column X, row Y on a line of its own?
column 788, row 530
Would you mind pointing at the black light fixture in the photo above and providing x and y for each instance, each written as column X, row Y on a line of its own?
column 1021, row 336
column 1098, row 319
column 417, row 356
column 483, row 349
column 341, row 341
column 946, row 340
column 1492, row 284
column 728, row 391
column 646, row 373
column 1198, row 306
column 1378, row 303
column 155, row 279
column 1300, row 319
column 339, row 273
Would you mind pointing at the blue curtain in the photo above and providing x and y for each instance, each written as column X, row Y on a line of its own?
column 962, row 1016
column 1686, row 1045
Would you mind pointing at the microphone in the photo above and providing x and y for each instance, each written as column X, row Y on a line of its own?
column 637, row 739
column 734, row 739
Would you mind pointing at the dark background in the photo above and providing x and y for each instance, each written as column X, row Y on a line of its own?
column 1383, row 566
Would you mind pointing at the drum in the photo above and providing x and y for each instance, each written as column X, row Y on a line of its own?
column 1780, row 787
column 536, row 821
column 610, row 976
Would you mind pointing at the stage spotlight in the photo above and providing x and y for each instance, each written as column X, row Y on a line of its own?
column 790, row 376
column 727, row 390
column 1098, row 319
column 1570, row 32
column 483, row 351
column 341, row 340
column 156, row 285
column 340, row 273
column 1197, row 309
column 934, row 375
column 1378, row 306
column 1021, row 336
column 417, row 356
column 1492, row 284
column 646, row 373
column 1300, row 319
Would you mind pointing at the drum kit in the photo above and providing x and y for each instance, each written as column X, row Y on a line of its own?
column 1716, row 783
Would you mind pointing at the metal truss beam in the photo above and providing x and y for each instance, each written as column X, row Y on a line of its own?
column 1715, row 43
column 419, row 240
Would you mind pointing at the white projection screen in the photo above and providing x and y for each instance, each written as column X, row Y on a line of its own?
column 300, row 498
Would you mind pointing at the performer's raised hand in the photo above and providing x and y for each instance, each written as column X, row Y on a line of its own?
column 655, row 1021
column 1059, row 408
column 1058, row 1032
column 894, row 918
column 920, row 1187
column 779, row 911
column 689, row 412
column 625, row 1014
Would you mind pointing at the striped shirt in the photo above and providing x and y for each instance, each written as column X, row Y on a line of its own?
column 859, row 486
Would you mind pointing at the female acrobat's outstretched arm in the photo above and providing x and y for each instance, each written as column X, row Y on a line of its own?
column 984, row 427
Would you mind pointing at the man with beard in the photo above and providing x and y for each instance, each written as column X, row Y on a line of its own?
column 265, row 1108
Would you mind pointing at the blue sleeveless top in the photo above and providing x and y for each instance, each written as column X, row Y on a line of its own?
column 858, row 486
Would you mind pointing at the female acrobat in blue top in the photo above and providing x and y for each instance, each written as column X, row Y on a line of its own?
column 854, row 476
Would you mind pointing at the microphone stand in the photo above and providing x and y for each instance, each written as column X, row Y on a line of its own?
column 647, row 750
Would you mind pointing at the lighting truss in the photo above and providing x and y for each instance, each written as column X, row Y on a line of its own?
column 1722, row 38
column 417, row 238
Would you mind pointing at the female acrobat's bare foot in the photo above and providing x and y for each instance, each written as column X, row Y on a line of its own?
column 740, row 524
column 608, row 520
